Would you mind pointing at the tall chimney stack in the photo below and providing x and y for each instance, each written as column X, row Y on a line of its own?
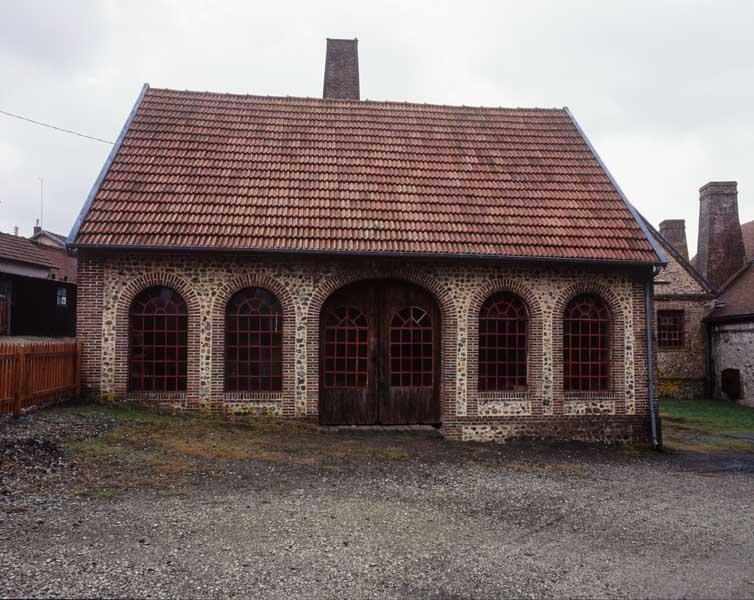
column 720, row 250
column 342, row 69
column 674, row 231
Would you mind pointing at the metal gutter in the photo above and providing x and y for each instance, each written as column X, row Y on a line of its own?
column 649, row 317
column 105, row 168
column 375, row 254
column 637, row 217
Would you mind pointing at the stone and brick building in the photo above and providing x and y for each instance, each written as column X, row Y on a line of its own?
column 704, row 306
column 367, row 262
column 683, row 297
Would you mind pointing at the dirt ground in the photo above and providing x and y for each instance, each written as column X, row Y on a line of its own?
column 99, row 502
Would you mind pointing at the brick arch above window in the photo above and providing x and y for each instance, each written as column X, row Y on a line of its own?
column 137, row 285
column 231, row 287
column 595, row 288
column 496, row 286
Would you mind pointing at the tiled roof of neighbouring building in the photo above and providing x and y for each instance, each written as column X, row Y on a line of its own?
column 19, row 249
column 736, row 296
column 203, row 170
column 64, row 264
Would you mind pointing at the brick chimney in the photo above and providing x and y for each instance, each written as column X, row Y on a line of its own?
column 674, row 231
column 342, row 69
column 37, row 228
column 720, row 251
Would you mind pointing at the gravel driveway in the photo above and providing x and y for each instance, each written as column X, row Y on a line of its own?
column 95, row 503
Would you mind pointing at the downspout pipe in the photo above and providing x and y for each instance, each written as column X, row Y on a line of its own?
column 649, row 316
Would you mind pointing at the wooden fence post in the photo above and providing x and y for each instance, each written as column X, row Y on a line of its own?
column 77, row 374
column 20, row 380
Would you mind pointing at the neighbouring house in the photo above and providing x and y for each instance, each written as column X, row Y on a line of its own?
column 362, row 262
column 705, row 305
column 37, row 288
column 683, row 297
column 48, row 238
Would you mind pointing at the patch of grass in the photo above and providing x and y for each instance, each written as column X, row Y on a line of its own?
column 681, row 443
column 173, row 494
column 99, row 493
column 562, row 469
column 391, row 453
column 165, row 445
column 701, row 425
column 124, row 412
column 710, row 416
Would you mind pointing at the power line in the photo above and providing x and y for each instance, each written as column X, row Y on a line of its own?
column 83, row 135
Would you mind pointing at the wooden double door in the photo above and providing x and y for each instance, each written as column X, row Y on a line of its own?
column 379, row 355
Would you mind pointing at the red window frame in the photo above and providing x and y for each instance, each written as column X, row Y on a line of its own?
column 586, row 345
column 412, row 361
column 158, row 341
column 670, row 328
column 253, row 342
column 346, row 348
column 503, row 343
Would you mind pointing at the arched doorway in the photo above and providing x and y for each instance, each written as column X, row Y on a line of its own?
column 379, row 355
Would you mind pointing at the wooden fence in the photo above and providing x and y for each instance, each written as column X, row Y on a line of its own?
column 33, row 374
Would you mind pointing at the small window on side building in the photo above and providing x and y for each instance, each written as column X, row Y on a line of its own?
column 670, row 332
column 62, row 297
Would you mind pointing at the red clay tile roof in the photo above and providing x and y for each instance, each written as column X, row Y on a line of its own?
column 736, row 296
column 64, row 265
column 18, row 249
column 204, row 170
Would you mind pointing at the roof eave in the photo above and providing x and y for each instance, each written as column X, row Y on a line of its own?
column 105, row 168
column 377, row 254
column 747, row 316
column 662, row 259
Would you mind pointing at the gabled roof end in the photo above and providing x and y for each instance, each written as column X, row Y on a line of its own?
column 103, row 171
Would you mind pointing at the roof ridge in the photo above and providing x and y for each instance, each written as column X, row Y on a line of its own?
column 396, row 103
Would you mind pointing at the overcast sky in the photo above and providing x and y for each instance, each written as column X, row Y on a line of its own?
column 664, row 90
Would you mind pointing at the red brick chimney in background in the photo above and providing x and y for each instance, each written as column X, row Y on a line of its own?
column 342, row 69
column 720, row 251
column 674, row 231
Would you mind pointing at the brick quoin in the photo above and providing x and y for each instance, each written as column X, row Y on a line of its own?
column 109, row 281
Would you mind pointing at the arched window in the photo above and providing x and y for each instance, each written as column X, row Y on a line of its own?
column 586, row 345
column 346, row 345
column 411, row 351
column 158, row 341
column 503, row 343
column 253, row 342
